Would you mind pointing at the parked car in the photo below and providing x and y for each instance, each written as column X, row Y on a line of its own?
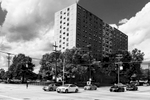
column 118, row 88
column 67, row 88
column 51, row 87
column 135, row 82
column 131, row 87
column 90, row 87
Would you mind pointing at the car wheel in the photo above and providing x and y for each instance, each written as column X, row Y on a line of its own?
column 66, row 91
column 44, row 89
column 122, row 90
column 95, row 88
column 58, row 91
column 51, row 89
column 85, row 89
column 76, row 90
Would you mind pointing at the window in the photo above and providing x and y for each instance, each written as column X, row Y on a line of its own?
column 68, row 9
column 60, row 41
column 60, row 22
column 67, row 44
column 60, row 31
column 67, row 39
column 61, row 12
column 67, row 19
column 67, row 24
column 59, row 46
column 64, row 33
column 67, row 34
column 67, row 14
column 63, row 47
column 63, row 42
column 63, row 37
column 67, row 29
column 60, row 36
column 60, row 17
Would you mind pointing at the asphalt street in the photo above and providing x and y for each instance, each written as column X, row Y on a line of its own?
column 20, row 92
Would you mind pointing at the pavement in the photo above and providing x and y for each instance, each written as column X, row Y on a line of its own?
column 33, row 92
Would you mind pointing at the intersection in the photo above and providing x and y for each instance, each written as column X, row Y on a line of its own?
column 20, row 92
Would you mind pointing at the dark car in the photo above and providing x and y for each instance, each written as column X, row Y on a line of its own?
column 51, row 87
column 118, row 88
column 131, row 87
column 90, row 87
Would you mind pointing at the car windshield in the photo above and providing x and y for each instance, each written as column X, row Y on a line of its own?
column 66, row 85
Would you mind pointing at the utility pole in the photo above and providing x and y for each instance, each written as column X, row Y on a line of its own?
column 119, row 63
column 8, row 57
column 89, row 51
column 63, row 79
column 55, row 49
column 148, row 73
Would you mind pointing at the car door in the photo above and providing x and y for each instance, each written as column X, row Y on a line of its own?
column 72, row 88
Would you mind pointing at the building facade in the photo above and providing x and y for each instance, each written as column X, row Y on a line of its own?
column 77, row 27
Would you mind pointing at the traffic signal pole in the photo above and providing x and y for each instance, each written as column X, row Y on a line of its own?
column 119, row 63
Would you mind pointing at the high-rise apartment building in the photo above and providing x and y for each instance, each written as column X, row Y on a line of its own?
column 77, row 27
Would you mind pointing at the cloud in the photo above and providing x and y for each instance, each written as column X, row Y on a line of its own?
column 28, row 26
column 114, row 25
column 123, row 21
column 137, row 28
column 25, row 19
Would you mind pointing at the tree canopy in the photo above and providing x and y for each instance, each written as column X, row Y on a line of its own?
column 21, row 67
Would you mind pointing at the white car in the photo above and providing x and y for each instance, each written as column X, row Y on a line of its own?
column 67, row 88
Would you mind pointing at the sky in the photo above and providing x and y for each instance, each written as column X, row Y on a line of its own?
column 27, row 26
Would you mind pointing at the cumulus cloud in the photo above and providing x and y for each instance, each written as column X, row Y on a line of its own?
column 28, row 26
column 2, row 60
column 137, row 28
column 123, row 21
column 114, row 25
column 26, row 18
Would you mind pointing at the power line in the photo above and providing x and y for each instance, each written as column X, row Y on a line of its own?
column 8, row 53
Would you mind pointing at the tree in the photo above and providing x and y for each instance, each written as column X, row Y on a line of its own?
column 137, row 58
column 21, row 67
column 2, row 74
column 48, row 64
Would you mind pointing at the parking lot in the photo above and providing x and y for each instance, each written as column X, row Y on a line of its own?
column 20, row 92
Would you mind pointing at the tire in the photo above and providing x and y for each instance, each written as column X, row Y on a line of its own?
column 58, row 91
column 122, row 90
column 76, row 90
column 66, row 91
column 85, row 89
column 51, row 89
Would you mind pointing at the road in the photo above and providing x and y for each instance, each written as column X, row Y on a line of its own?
column 20, row 92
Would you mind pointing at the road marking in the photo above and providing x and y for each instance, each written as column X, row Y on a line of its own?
column 10, row 97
